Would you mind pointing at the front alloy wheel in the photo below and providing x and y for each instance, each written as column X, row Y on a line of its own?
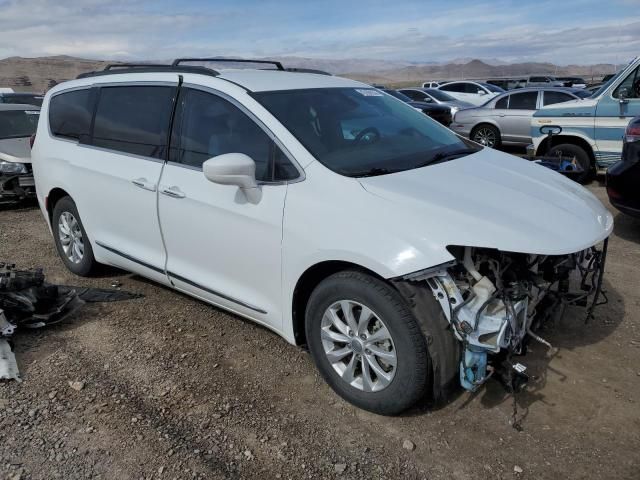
column 366, row 342
column 358, row 345
column 486, row 135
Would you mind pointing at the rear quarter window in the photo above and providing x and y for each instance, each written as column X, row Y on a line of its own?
column 70, row 114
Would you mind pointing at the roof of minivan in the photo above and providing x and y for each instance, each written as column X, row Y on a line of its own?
column 269, row 80
column 251, row 79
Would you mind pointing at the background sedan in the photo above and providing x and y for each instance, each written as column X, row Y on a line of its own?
column 506, row 119
column 433, row 95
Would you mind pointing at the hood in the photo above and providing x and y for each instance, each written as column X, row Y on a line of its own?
column 578, row 108
column 493, row 200
column 15, row 150
column 432, row 107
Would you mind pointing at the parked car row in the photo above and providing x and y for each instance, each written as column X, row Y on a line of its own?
column 24, row 98
column 324, row 209
column 506, row 119
column 17, row 124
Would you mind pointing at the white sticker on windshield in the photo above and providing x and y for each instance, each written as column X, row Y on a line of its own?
column 369, row 92
column 32, row 112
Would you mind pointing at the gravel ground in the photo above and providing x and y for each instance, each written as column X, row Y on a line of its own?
column 169, row 387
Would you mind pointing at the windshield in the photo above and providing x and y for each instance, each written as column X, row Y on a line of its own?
column 492, row 88
column 361, row 131
column 604, row 86
column 398, row 95
column 440, row 95
column 18, row 123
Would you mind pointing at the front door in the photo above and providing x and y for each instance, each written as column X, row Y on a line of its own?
column 613, row 114
column 221, row 246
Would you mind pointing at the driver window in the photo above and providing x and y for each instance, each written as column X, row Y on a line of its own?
column 207, row 125
column 631, row 83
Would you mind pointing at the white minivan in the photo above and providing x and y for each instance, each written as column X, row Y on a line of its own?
column 409, row 260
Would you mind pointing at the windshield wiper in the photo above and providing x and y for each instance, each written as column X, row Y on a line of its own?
column 372, row 172
column 444, row 156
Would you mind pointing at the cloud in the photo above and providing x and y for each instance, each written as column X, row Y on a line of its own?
column 139, row 29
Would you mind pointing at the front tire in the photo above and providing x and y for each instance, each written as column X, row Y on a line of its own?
column 366, row 343
column 581, row 156
column 71, row 239
column 486, row 135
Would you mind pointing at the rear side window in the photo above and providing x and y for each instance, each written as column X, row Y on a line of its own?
column 454, row 87
column 134, row 119
column 70, row 114
column 523, row 101
column 207, row 125
column 471, row 88
column 556, row 97
column 502, row 103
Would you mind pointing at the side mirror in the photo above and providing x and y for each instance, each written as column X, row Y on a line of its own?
column 623, row 95
column 234, row 169
column 481, row 92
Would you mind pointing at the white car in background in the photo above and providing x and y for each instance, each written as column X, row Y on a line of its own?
column 411, row 261
column 431, row 84
column 476, row 93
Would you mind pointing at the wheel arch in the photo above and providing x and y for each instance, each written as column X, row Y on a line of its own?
column 487, row 123
column 54, row 197
column 546, row 145
column 308, row 281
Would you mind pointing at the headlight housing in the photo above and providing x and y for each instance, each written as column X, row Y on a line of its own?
column 12, row 168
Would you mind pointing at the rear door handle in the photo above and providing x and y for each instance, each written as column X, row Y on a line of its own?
column 144, row 184
column 173, row 192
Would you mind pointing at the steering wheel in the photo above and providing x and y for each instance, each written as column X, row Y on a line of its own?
column 370, row 135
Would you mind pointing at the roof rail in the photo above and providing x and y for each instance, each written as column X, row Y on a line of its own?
column 307, row 70
column 114, row 69
column 112, row 66
column 178, row 61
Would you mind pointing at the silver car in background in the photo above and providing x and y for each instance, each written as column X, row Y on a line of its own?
column 432, row 95
column 506, row 119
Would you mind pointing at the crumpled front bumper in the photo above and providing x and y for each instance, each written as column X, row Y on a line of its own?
column 15, row 188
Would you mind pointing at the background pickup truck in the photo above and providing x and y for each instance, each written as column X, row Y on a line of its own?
column 591, row 129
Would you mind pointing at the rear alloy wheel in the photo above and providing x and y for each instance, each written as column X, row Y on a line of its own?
column 71, row 239
column 366, row 342
column 486, row 135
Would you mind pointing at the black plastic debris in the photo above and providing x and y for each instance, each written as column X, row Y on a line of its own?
column 28, row 301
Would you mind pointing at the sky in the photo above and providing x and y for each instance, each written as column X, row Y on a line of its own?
column 561, row 31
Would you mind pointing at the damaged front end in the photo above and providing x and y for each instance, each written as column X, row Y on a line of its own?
column 495, row 301
column 18, row 185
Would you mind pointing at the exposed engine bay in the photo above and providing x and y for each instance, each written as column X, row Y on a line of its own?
column 496, row 301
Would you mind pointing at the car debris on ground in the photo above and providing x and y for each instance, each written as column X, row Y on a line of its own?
column 27, row 301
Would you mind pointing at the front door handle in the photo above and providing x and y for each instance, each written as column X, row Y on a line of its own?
column 144, row 184
column 173, row 192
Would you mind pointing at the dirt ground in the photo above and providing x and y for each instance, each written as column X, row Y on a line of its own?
column 175, row 388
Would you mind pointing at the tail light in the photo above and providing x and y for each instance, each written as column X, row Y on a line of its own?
column 632, row 134
column 32, row 139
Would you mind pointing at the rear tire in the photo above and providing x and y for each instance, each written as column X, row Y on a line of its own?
column 380, row 364
column 581, row 156
column 71, row 239
column 486, row 135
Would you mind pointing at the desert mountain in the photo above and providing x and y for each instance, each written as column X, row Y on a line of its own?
column 40, row 74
